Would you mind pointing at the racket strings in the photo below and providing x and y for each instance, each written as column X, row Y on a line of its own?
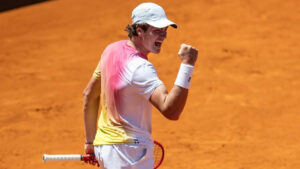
column 158, row 154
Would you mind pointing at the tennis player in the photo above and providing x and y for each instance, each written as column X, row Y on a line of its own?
column 126, row 84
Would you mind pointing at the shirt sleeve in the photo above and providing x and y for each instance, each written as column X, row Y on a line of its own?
column 97, row 72
column 145, row 79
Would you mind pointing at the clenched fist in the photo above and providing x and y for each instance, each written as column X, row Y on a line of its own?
column 188, row 54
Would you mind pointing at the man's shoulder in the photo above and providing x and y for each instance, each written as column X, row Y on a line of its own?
column 140, row 66
column 116, row 44
column 136, row 61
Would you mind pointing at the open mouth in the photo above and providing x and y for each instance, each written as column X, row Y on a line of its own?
column 158, row 44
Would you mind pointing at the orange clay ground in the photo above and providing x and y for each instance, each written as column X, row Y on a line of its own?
column 242, row 111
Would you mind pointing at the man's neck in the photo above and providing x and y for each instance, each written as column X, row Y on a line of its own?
column 137, row 45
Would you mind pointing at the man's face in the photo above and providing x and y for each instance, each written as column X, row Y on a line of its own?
column 153, row 38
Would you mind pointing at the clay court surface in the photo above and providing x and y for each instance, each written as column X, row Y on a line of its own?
column 242, row 111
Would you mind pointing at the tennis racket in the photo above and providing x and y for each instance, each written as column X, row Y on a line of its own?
column 158, row 155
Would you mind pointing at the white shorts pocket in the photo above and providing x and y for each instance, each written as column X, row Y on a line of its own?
column 132, row 153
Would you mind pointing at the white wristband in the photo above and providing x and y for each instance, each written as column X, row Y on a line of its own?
column 184, row 76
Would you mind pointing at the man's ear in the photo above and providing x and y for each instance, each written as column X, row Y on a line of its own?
column 139, row 31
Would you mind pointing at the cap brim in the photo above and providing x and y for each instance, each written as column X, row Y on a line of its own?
column 162, row 23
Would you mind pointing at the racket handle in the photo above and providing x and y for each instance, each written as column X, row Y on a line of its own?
column 63, row 157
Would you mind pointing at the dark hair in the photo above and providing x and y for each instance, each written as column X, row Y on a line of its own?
column 131, row 29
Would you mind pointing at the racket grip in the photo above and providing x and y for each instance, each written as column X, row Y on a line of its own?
column 64, row 157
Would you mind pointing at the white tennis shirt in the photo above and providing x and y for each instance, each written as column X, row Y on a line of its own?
column 136, row 85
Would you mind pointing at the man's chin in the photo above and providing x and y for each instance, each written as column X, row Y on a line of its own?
column 156, row 51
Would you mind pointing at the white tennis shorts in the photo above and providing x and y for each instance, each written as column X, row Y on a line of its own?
column 124, row 156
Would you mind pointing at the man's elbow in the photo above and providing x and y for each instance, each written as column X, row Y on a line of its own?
column 172, row 115
column 88, row 95
column 173, row 118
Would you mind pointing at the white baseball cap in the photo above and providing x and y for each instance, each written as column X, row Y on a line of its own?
column 151, row 14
